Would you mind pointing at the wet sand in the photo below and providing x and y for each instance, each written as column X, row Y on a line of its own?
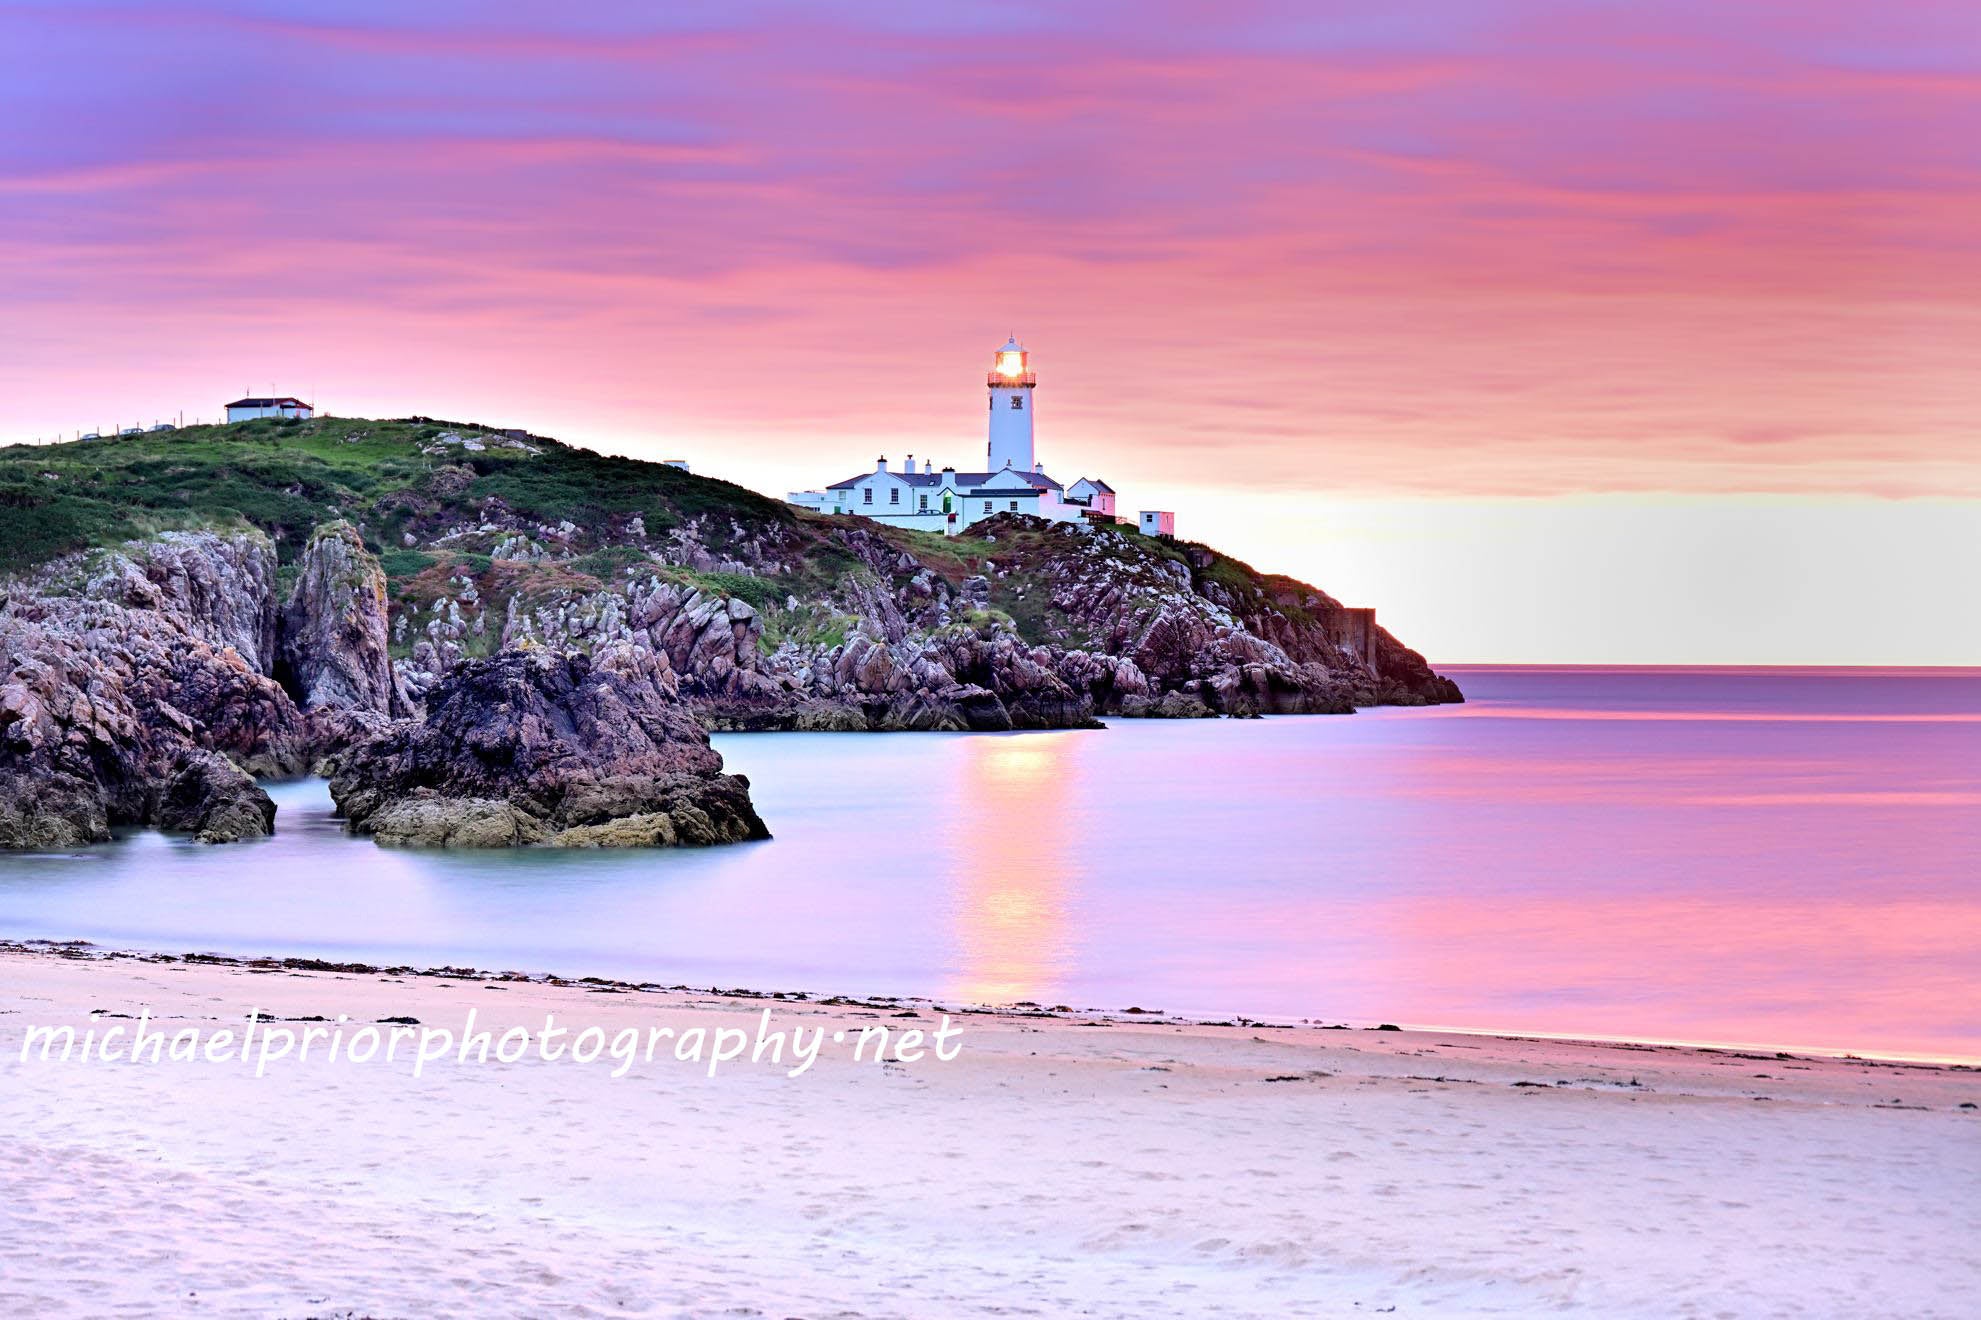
column 1059, row 1164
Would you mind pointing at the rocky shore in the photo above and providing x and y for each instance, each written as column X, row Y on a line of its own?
column 408, row 613
column 1122, row 625
column 135, row 693
column 142, row 689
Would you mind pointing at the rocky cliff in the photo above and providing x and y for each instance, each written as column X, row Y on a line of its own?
column 1021, row 624
column 415, row 560
column 134, row 695
column 139, row 691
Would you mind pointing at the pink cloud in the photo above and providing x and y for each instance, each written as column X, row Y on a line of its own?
column 1527, row 249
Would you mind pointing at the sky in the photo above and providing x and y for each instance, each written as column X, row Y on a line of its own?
column 1578, row 332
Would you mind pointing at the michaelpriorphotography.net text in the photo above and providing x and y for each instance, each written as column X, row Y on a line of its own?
column 404, row 1042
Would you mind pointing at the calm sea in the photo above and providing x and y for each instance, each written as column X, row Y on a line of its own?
column 1760, row 857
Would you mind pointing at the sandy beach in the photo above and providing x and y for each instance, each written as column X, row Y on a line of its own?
column 1058, row 1164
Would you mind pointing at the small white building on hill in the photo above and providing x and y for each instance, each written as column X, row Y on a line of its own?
column 244, row 410
column 1012, row 479
column 1098, row 495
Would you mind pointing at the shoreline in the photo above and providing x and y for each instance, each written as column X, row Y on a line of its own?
column 1114, row 1166
column 90, row 951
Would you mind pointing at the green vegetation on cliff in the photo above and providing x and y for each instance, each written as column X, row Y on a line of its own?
column 286, row 476
column 405, row 484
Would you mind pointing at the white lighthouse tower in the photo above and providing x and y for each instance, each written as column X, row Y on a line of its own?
column 1011, row 384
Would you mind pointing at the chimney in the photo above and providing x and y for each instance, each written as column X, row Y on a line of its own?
column 928, row 466
column 1038, row 468
column 882, row 465
column 909, row 466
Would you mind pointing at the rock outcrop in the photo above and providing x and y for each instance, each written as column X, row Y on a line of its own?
column 533, row 747
column 335, row 652
column 137, row 693
column 1116, row 624
column 128, row 699
column 219, row 587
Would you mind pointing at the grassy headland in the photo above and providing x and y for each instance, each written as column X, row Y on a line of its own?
column 419, row 500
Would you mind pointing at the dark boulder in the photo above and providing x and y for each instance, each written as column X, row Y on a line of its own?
column 214, row 800
column 530, row 746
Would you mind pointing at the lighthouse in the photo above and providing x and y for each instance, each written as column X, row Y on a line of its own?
column 1011, row 384
column 1012, row 482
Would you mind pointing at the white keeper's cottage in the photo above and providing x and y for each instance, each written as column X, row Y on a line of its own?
column 1012, row 480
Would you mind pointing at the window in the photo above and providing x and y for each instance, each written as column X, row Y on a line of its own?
column 1014, row 506
column 925, row 504
column 986, row 506
column 1017, row 401
column 867, row 495
column 894, row 495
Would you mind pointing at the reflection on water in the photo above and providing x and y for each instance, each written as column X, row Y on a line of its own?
column 1014, row 865
column 1801, row 875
